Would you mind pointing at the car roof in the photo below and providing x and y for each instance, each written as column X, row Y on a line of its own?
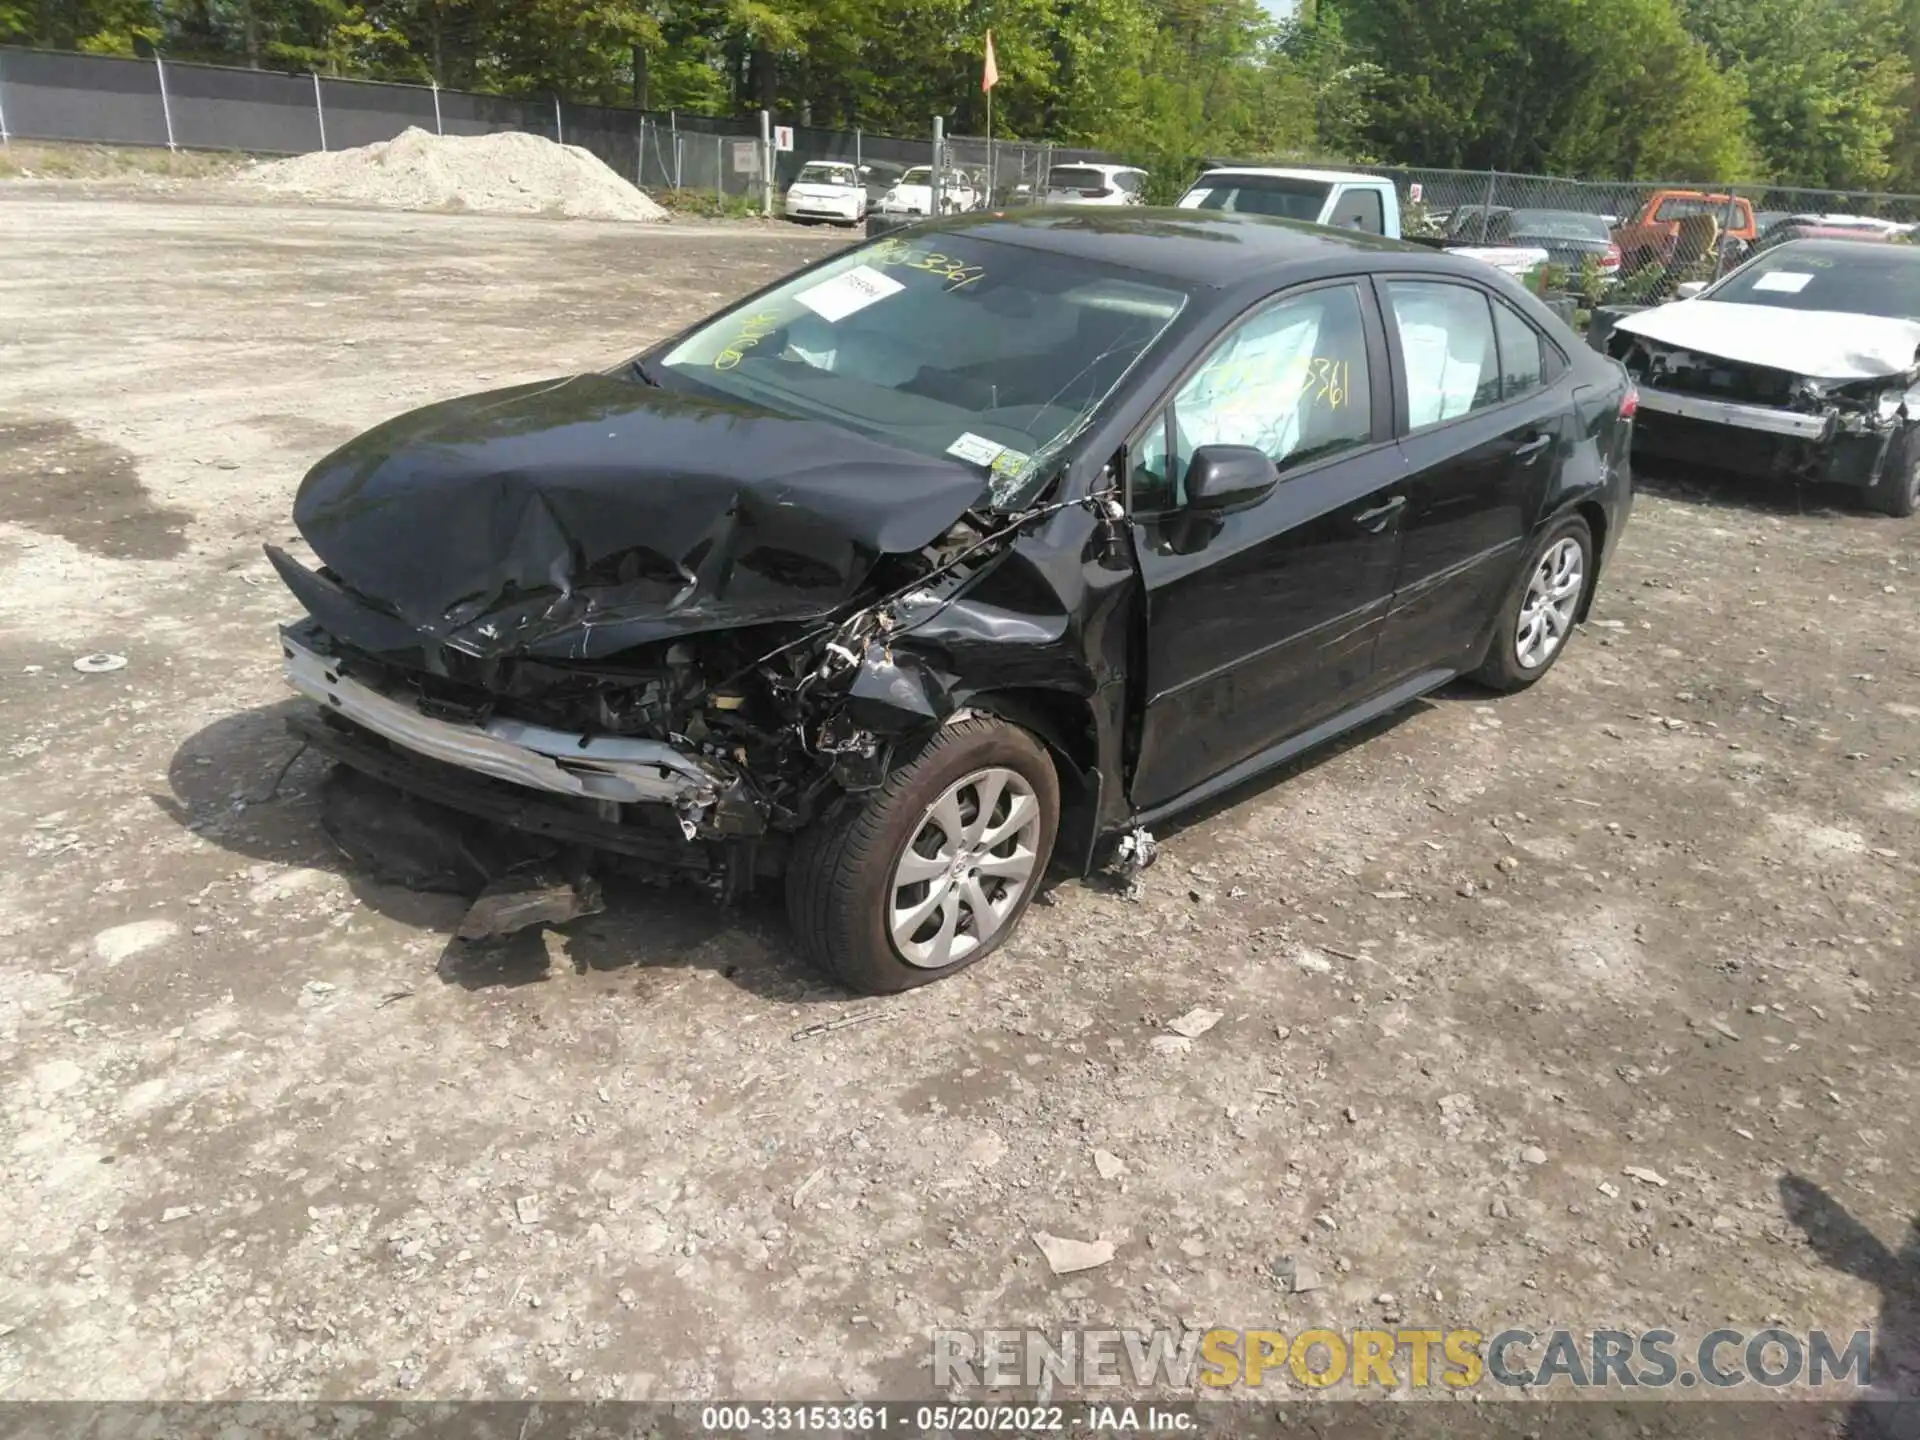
column 1287, row 173
column 1206, row 247
column 1863, row 222
column 1838, row 249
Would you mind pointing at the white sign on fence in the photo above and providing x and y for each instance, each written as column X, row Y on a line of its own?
column 746, row 157
column 783, row 137
column 1415, row 191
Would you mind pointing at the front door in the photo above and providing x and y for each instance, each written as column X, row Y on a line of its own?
column 1261, row 623
column 1485, row 433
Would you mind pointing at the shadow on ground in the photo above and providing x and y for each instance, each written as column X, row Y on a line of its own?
column 243, row 783
column 1725, row 490
column 1841, row 1242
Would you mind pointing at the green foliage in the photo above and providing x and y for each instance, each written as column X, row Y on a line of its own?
column 1611, row 88
column 1811, row 92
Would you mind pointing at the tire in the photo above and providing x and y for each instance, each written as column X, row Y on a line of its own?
column 842, row 885
column 1511, row 665
column 1897, row 491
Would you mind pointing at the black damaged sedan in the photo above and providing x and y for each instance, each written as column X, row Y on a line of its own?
column 960, row 555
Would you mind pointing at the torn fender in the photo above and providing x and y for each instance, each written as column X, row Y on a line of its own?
column 1820, row 344
column 583, row 517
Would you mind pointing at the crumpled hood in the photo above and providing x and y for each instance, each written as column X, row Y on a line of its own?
column 1821, row 344
column 584, row 516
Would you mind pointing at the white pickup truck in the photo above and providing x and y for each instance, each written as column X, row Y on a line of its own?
column 1344, row 199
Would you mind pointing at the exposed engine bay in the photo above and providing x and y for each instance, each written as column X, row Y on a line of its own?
column 742, row 731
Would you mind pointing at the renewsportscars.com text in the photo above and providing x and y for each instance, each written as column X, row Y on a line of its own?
column 1456, row 1359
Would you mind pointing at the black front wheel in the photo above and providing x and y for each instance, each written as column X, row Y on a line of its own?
column 1897, row 491
column 931, row 872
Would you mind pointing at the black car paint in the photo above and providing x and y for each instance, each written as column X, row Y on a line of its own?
column 1123, row 640
column 582, row 517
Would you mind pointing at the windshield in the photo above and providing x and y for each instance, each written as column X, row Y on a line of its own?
column 1261, row 195
column 918, row 175
column 988, row 353
column 1558, row 225
column 1853, row 279
column 826, row 175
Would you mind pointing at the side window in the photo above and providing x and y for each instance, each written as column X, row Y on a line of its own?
column 1290, row 380
column 1129, row 182
column 1359, row 210
column 1520, row 361
column 1447, row 349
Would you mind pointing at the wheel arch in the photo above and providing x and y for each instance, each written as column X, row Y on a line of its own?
column 1064, row 722
column 1595, row 514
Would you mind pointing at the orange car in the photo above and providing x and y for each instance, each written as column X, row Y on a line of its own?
column 1656, row 233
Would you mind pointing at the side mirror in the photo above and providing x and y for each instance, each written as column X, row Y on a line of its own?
column 1688, row 289
column 1227, row 477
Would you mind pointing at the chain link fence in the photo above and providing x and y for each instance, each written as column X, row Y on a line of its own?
column 1604, row 244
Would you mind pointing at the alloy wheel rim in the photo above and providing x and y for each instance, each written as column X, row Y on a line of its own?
column 1552, row 598
column 962, row 875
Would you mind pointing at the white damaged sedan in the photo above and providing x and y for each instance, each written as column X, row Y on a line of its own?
column 1803, row 364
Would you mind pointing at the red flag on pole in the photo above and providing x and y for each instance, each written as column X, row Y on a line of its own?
column 990, row 76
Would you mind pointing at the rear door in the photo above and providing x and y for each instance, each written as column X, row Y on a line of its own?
column 1486, row 420
column 1261, row 623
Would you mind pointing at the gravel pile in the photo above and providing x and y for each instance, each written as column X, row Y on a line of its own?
column 509, row 173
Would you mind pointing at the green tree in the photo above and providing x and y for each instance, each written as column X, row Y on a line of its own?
column 1596, row 87
column 1824, row 82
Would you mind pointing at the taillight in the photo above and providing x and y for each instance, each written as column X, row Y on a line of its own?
column 1630, row 404
column 1612, row 260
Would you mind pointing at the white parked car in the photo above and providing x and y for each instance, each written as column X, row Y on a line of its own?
column 913, row 194
column 828, row 190
column 1095, row 185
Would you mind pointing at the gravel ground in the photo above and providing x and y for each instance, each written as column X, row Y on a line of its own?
column 256, row 1139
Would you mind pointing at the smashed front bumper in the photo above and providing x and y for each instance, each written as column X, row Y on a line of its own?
column 613, row 792
column 1742, row 417
column 1827, row 447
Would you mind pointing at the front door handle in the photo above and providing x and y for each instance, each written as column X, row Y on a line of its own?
column 1533, row 447
column 1375, row 520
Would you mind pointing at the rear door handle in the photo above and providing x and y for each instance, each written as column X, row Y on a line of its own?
column 1532, row 448
column 1375, row 520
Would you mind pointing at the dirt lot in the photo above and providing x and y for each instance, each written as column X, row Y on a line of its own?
column 258, row 1140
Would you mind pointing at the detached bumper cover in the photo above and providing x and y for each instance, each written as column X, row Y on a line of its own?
column 1745, row 417
column 605, row 768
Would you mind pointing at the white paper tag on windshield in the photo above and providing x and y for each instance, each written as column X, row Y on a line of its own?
column 1791, row 281
column 976, row 448
column 833, row 300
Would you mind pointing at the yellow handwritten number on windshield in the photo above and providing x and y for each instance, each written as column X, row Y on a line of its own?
column 898, row 253
column 753, row 330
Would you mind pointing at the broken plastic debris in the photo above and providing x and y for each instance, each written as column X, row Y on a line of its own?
column 1135, row 853
column 101, row 662
column 541, row 897
column 1065, row 1257
column 1195, row 1023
